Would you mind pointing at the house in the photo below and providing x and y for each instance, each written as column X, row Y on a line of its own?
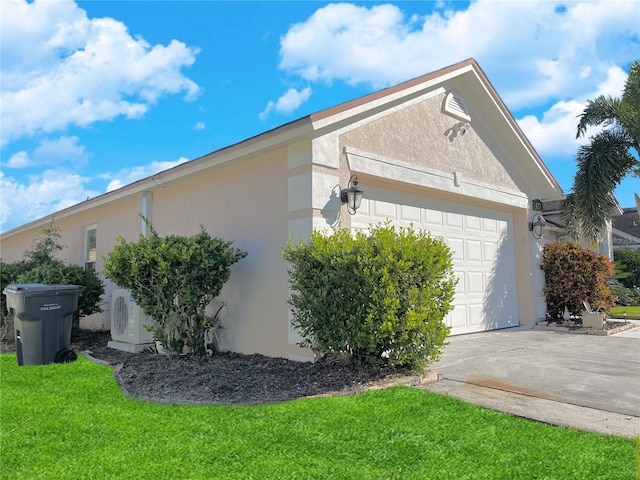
column 441, row 152
column 556, row 231
column 626, row 229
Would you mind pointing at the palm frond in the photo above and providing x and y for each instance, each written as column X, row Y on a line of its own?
column 603, row 111
column 569, row 218
column 602, row 164
column 630, row 108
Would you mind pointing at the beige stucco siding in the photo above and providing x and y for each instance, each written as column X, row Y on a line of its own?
column 421, row 134
column 118, row 217
column 245, row 202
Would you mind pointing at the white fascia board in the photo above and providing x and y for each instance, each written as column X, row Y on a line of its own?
column 518, row 143
column 400, row 96
column 382, row 167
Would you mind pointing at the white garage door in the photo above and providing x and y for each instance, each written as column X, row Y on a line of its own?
column 481, row 240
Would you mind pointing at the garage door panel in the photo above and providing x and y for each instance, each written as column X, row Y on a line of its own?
column 457, row 319
column 473, row 250
column 462, row 284
column 457, row 248
column 365, row 208
column 433, row 218
column 473, row 223
column 453, row 221
column 476, row 316
column 475, row 283
column 489, row 225
column 490, row 251
column 410, row 214
column 383, row 210
column 481, row 242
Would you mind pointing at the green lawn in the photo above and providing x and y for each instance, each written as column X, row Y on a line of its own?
column 632, row 312
column 71, row 421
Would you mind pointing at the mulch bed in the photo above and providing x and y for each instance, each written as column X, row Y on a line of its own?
column 231, row 378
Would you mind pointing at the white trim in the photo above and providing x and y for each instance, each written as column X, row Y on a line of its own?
column 401, row 97
column 147, row 212
column 384, row 167
column 88, row 260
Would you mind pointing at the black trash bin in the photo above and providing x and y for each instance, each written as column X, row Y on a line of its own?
column 42, row 319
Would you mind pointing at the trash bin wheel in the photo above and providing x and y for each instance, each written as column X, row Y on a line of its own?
column 66, row 356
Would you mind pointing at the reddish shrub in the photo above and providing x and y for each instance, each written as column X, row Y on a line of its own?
column 573, row 274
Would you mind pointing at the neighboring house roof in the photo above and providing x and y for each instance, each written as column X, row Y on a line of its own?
column 626, row 228
column 468, row 78
column 551, row 206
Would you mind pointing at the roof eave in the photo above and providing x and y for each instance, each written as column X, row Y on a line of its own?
column 275, row 138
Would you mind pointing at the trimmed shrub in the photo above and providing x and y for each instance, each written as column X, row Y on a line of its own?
column 173, row 279
column 380, row 297
column 56, row 272
column 572, row 275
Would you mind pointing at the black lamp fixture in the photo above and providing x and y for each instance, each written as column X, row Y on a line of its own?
column 536, row 226
column 536, row 204
column 352, row 195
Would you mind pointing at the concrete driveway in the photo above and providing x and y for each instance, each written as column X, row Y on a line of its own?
column 583, row 381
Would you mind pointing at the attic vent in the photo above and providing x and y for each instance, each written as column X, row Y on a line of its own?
column 455, row 106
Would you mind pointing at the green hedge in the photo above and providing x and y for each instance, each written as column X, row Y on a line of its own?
column 380, row 297
column 173, row 279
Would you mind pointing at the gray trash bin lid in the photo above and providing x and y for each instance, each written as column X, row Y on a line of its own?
column 35, row 289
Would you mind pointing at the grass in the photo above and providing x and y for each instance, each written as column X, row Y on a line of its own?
column 632, row 312
column 71, row 421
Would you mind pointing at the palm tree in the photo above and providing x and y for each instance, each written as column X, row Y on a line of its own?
column 611, row 155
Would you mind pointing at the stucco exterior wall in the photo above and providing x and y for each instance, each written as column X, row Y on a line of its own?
column 245, row 202
column 421, row 134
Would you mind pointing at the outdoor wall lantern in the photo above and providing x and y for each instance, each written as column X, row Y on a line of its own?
column 352, row 195
column 536, row 226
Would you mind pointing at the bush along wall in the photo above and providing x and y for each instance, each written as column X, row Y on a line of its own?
column 41, row 265
column 173, row 279
column 379, row 297
column 572, row 275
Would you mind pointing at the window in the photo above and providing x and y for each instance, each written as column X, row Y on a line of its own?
column 91, row 242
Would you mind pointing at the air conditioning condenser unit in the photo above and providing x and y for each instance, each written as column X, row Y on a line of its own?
column 128, row 323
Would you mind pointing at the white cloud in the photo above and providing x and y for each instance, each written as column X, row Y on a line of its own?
column 59, row 151
column 47, row 192
column 200, row 126
column 61, row 68
column 54, row 189
column 540, row 50
column 20, row 159
column 287, row 103
column 554, row 134
column 62, row 150
column 133, row 174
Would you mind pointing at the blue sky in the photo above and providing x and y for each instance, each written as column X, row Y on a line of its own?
column 97, row 94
